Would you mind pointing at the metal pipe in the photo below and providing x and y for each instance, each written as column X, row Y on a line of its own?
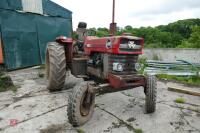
column 113, row 13
column 113, row 24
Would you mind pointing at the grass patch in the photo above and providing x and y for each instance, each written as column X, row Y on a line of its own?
column 180, row 100
column 191, row 80
column 6, row 84
column 80, row 130
column 41, row 66
column 138, row 130
column 40, row 75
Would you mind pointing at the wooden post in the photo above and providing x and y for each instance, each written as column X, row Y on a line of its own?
column 180, row 90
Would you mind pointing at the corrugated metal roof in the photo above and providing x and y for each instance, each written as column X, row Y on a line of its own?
column 34, row 6
column 42, row 7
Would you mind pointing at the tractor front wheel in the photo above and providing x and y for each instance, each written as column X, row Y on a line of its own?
column 55, row 66
column 151, row 92
column 80, row 104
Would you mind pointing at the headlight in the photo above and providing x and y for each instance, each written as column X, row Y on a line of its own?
column 138, row 66
column 118, row 67
column 108, row 44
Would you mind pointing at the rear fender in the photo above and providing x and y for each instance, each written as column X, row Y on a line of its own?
column 68, row 44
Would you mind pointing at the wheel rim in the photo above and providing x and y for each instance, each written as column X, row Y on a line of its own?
column 85, row 105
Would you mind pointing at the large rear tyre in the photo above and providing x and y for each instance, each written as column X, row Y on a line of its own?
column 151, row 92
column 55, row 66
column 81, row 104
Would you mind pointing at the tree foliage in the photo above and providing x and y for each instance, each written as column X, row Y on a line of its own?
column 181, row 34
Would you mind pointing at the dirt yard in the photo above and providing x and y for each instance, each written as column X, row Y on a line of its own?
column 33, row 109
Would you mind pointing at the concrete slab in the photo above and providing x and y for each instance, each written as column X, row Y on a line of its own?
column 38, row 111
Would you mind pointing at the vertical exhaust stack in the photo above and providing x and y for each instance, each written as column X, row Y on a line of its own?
column 113, row 25
column 81, row 30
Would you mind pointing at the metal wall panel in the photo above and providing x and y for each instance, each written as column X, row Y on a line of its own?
column 34, row 6
column 25, row 35
column 11, row 4
column 52, row 9
column 19, row 40
column 49, row 28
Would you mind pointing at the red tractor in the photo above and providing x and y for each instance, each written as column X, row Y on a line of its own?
column 106, row 64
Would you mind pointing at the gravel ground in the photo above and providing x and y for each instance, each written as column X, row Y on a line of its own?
column 33, row 109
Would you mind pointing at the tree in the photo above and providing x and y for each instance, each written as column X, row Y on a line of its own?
column 183, row 33
column 128, row 27
column 194, row 40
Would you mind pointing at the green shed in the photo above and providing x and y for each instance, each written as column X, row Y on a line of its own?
column 25, row 28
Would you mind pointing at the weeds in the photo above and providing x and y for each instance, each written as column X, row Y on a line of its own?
column 128, row 125
column 41, row 66
column 6, row 83
column 138, row 130
column 80, row 130
column 40, row 75
column 191, row 80
column 180, row 100
column 143, row 64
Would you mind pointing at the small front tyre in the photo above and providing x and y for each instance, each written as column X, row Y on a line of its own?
column 81, row 104
column 151, row 92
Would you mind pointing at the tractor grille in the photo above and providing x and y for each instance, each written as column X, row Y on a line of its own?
column 124, row 46
column 128, row 62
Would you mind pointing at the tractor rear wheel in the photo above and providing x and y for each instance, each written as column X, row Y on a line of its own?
column 80, row 105
column 55, row 66
column 151, row 92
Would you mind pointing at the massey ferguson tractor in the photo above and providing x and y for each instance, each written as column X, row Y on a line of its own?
column 107, row 64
